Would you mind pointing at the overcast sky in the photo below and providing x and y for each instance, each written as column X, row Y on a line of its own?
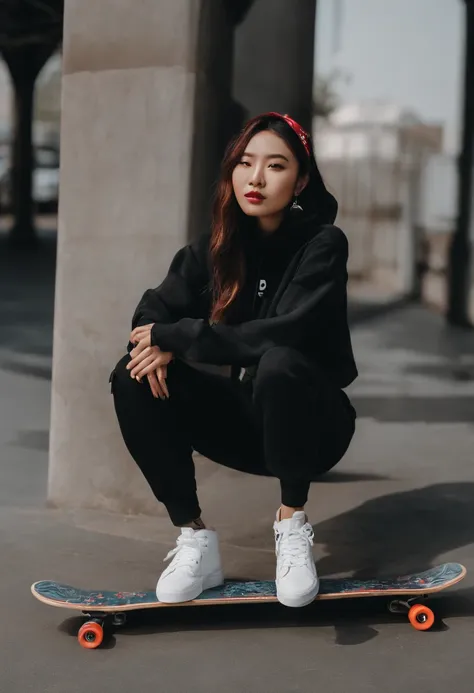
column 407, row 51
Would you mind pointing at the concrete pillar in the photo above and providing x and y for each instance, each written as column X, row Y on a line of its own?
column 274, row 56
column 144, row 87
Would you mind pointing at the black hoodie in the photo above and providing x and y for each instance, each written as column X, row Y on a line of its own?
column 294, row 295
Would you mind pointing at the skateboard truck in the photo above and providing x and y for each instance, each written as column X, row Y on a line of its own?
column 92, row 632
column 420, row 616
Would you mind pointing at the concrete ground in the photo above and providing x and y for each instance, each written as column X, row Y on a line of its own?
column 401, row 500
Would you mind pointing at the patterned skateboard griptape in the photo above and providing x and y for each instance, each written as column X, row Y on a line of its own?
column 431, row 580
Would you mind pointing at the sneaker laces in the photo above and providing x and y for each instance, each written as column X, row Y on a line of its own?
column 187, row 552
column 293, row 545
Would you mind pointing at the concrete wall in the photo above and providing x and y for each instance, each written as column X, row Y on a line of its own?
column 141, row 92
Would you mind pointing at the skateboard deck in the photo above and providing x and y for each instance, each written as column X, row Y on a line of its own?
column 104, row 606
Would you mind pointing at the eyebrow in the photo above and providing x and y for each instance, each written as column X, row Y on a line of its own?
column 269, row 156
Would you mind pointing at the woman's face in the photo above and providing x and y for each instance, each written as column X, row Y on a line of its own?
column 266, row 179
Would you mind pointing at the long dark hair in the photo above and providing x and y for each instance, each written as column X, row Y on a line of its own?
column 228, row 220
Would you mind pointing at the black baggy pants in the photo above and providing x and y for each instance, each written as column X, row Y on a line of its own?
column 290, row 423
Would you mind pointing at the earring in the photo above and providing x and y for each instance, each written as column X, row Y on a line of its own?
column 295, row 207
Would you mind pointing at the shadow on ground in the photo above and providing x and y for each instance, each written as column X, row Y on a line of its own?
column 392, row 534
column 423, row 332
column 410, row 409
column 345, row 619
column 399, row 532
column 418, row 344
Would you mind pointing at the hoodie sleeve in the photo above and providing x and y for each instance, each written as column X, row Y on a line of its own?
column 318, row 286
column 179, row 293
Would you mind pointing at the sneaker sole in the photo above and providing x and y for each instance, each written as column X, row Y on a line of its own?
column 301, row 600
column 213, row 580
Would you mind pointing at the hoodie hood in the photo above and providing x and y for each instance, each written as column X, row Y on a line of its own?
column 319, row 205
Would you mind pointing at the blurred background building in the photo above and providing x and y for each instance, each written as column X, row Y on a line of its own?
column 395, row 142
column 373, row 154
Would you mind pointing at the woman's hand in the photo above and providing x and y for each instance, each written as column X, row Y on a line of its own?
column 141, row 333
column 146, row 359
column 157, row 381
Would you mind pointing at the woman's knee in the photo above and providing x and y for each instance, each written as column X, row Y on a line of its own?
column 280, row 363
column 120, row 378
column 122, row 383
column 278, row 358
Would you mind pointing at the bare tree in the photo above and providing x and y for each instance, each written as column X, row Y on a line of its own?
column 326, row 92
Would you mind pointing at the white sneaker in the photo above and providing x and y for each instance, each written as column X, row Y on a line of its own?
column 196, row 567
column 297, row 581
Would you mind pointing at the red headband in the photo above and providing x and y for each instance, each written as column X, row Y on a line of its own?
column 302, row 134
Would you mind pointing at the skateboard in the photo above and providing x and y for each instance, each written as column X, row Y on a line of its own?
column 105, row 608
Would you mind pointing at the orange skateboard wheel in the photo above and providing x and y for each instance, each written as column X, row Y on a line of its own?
column 421, row 617
column 90, row 635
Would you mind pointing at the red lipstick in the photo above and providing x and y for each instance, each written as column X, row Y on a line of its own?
column 254, row 196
